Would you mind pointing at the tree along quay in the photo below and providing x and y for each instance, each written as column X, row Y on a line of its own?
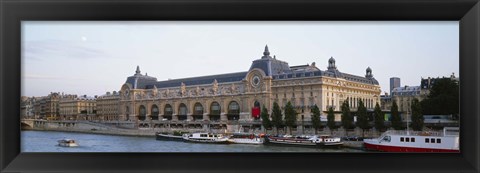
column 133, row 128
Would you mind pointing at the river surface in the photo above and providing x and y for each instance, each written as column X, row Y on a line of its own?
column 46, row 141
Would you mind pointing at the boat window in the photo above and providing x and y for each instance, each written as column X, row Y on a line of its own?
column 203, row 135
column 386, row 138
column 407, row 139
column 439, row 140
column 210, row 135
column 432, row 140
column 427, row 140
column 401, row 139
column 413, row 139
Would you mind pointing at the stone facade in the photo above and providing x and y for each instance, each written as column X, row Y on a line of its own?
column 229, row 98
column 73, row 107
column 403, row 96
column 47, row 107
column 108, row 106
column 27, row 107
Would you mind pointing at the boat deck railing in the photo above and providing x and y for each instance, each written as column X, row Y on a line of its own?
column 416, row 133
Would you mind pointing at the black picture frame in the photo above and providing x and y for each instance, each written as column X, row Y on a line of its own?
column 14, row 11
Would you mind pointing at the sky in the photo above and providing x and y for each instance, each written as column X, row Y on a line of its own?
column 92, row 58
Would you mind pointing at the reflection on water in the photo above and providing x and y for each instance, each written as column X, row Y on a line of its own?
column 46, row 141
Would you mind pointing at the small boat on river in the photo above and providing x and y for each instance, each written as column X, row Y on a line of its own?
column 67, row 143
column 206, row 138
column 322, row 141
column 288, row 140
column 245, row 138
column 169, row 137
column 327, row 141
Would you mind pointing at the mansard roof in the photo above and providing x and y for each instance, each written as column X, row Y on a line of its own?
column 229, row 77
column 355, row 78
column 328, row 73
column 271, row 66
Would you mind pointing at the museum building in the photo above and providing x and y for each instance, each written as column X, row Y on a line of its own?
column 238, row 97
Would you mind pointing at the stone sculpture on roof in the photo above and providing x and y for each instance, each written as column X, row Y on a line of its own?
column 183, row 89
column 215, row 86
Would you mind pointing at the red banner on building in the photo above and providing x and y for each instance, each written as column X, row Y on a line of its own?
column 256, row 112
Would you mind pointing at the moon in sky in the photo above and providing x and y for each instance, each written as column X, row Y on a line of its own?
column 84, row 38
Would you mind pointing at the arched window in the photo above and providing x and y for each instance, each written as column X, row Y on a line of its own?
column 142, row 113
column 182, row 109
column 256, row 104
column 182, row 112
column 155, row 112
column 197, row 111
column 233, row 108
column 233, row 111
column 167, row 112
column 215, row 111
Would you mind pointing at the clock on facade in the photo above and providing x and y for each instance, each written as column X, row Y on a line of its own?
column 127, row 92
column 255, row 81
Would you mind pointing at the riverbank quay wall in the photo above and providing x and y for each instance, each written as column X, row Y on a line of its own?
column 133, row 129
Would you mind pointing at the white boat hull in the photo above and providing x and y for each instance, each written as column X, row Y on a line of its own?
column 206, row 138
column 256, row 141
column 406, row 141
column 65, row 143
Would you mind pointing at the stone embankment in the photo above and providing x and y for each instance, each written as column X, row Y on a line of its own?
column 108, row 129
column 353, row 144
column 94, row 128
column 130, row 129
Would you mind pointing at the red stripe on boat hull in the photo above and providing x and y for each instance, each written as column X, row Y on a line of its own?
column 407, row 149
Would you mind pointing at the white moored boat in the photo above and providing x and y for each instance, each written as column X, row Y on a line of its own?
column 205, row 138
column 411, row 141
column 67, row 143
column 290, row 140
column 326, row 140
column 245, row 138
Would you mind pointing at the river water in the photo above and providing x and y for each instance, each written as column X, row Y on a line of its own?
column 46, row 141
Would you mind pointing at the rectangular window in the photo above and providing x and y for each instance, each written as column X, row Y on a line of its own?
column 439, row 140
column 413, row 139
column 401, row 139
column 432, row 140
column 407, row 139
column 427, row 140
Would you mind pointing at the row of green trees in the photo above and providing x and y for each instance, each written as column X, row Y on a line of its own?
column 362, row 122
column 277, row 119
column 443, row 99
